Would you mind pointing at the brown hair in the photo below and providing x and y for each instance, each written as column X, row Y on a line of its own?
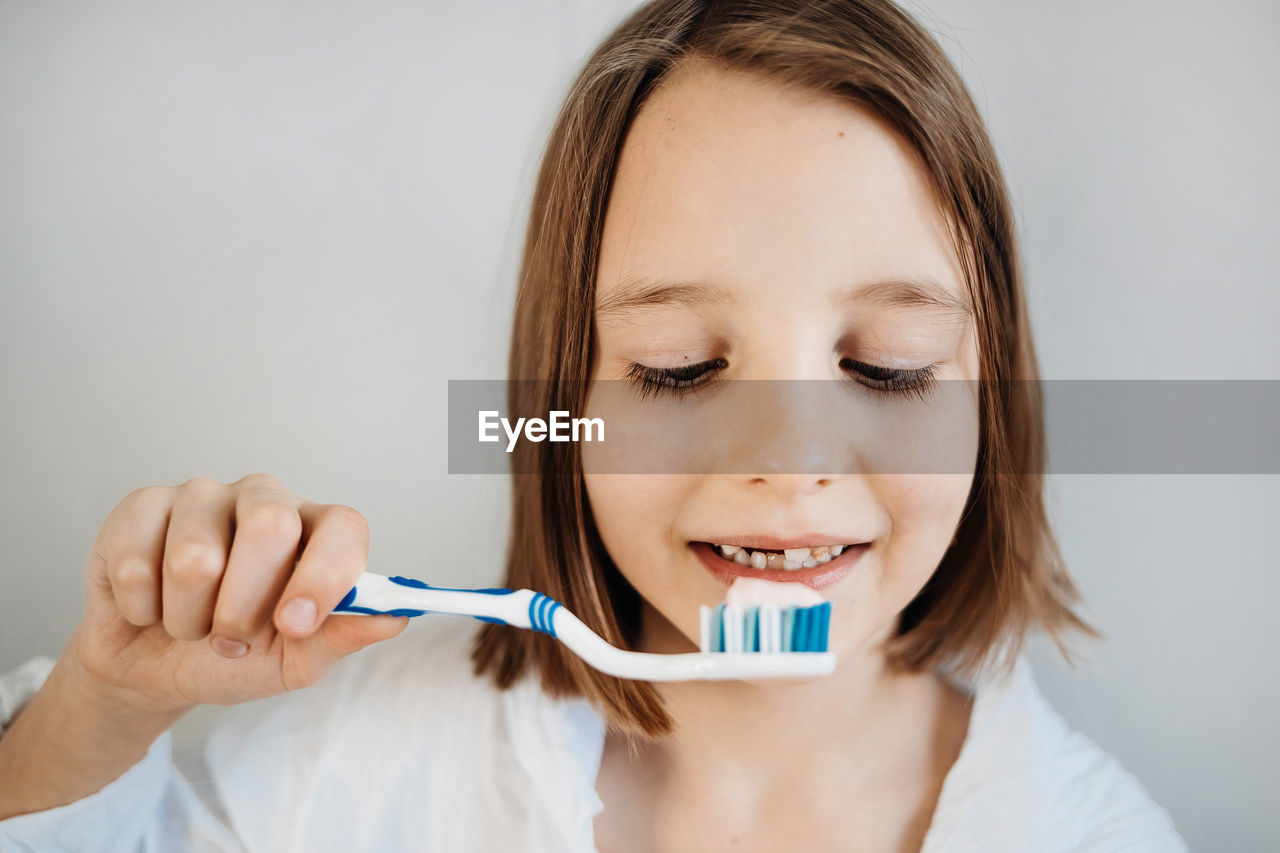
column 1004, row 574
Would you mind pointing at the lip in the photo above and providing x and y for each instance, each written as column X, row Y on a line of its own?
column 817, row 577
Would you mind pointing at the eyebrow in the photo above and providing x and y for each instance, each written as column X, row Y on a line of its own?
column 634, row 294
column 916, row 294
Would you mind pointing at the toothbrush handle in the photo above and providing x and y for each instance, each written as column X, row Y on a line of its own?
column 376, row 594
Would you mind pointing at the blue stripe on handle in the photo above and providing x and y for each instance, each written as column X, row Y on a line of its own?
column 346, row 605
column 346, row 600
column 417, row 584
column 551, row 612
column 369, row 611
column 541, row 611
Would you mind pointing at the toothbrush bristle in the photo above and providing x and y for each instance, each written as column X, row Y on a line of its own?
column 765, row 628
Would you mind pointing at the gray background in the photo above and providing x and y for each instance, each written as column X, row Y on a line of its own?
column 262, row 236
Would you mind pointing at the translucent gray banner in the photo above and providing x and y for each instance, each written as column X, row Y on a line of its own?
column 845, row 426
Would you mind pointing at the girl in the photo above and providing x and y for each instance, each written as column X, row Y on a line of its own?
column 755, row 190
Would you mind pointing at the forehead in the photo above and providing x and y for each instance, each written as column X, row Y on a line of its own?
column 729, row 176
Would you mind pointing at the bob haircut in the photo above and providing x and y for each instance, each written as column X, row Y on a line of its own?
column 1003, row 574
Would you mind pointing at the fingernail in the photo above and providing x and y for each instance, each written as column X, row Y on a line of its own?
column 228, row 648
column 299, row 614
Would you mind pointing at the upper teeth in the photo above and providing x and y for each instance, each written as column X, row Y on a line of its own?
column 789, row 560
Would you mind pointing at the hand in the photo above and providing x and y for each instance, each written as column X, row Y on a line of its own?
column 193, row 595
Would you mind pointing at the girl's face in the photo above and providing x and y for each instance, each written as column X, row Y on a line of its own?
column 795, row 205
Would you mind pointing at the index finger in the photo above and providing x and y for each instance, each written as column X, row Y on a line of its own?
column 335, row 555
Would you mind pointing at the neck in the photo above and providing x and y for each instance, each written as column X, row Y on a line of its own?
column 751, row 741
column 860, row 753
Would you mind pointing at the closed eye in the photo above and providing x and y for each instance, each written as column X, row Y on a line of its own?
column 893, row 381
column 689, row 378
column 677, row 381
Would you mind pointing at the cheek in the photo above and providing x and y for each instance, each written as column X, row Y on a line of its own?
column 634, row 514
column 924, row 512
column 925, row 509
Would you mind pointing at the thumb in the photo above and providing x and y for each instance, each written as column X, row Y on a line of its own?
column 309, row 659
column 339, row 636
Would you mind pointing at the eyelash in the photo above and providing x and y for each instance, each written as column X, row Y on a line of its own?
column 691, row 378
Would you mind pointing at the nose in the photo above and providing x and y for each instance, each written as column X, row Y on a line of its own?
column 792, row 485
column 791, row 440
column 800, row 461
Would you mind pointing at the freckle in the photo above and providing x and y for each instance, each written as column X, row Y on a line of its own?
column 841, row 133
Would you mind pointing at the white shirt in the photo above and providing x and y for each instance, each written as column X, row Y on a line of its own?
column 401, row 747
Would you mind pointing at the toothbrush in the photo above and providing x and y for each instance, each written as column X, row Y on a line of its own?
column 755, row 642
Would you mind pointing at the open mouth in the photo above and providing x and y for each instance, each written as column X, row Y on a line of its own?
column 815, row 566
column 785, row 560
